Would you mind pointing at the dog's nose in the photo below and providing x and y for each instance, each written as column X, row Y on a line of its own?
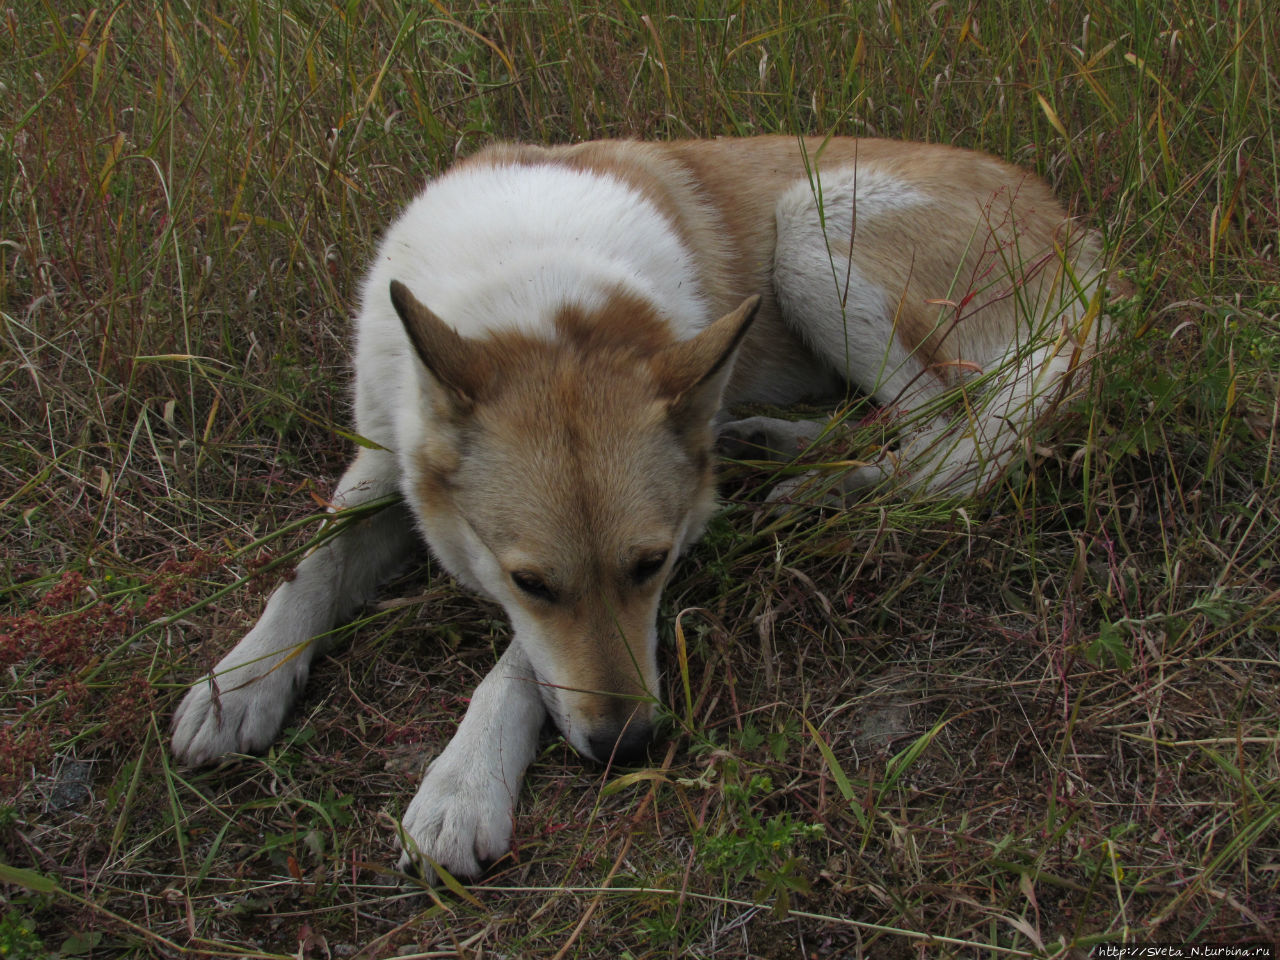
column 626, row 747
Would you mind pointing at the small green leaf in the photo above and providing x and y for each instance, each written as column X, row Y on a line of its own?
column 1111, row 643
column 79, row 944
column 36, row 882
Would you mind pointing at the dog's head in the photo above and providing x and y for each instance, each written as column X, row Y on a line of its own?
column 562, row 475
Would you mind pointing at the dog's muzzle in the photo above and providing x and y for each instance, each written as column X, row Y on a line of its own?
column 625, row 745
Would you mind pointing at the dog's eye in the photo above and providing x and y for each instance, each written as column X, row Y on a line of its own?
column 533, row 585
column 646, row 567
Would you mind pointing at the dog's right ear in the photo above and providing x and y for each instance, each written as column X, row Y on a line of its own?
column 459, row 365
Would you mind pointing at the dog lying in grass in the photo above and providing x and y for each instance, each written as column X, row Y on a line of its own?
column 546, row 343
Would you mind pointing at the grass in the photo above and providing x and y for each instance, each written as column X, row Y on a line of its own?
column 918, row 728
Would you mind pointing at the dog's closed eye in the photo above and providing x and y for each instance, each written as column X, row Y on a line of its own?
column 648, row 566
column 533, row 585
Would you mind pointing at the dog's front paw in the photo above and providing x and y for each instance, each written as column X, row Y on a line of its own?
column 766, row 438
column 238, row 709
column 834, row 491
column 461, row 819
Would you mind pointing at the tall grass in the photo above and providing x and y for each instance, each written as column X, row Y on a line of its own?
column 918, row 728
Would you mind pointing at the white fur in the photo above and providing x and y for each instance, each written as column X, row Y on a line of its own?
column 498, row 247
column 843, row 311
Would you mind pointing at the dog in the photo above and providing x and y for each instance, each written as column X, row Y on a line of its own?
column 547, row 341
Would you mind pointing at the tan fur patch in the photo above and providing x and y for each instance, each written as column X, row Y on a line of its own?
column 627, row 323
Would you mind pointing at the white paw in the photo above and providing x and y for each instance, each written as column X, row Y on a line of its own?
column 837, row 491
column 756, row 438
column 240, row 711
column 460, row 818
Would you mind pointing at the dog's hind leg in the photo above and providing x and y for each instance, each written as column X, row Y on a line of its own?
column 961, row 440
column 241, row 705
column 461, row 817
column 963, row 316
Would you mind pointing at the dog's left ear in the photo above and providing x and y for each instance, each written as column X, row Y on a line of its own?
column 693, row 372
